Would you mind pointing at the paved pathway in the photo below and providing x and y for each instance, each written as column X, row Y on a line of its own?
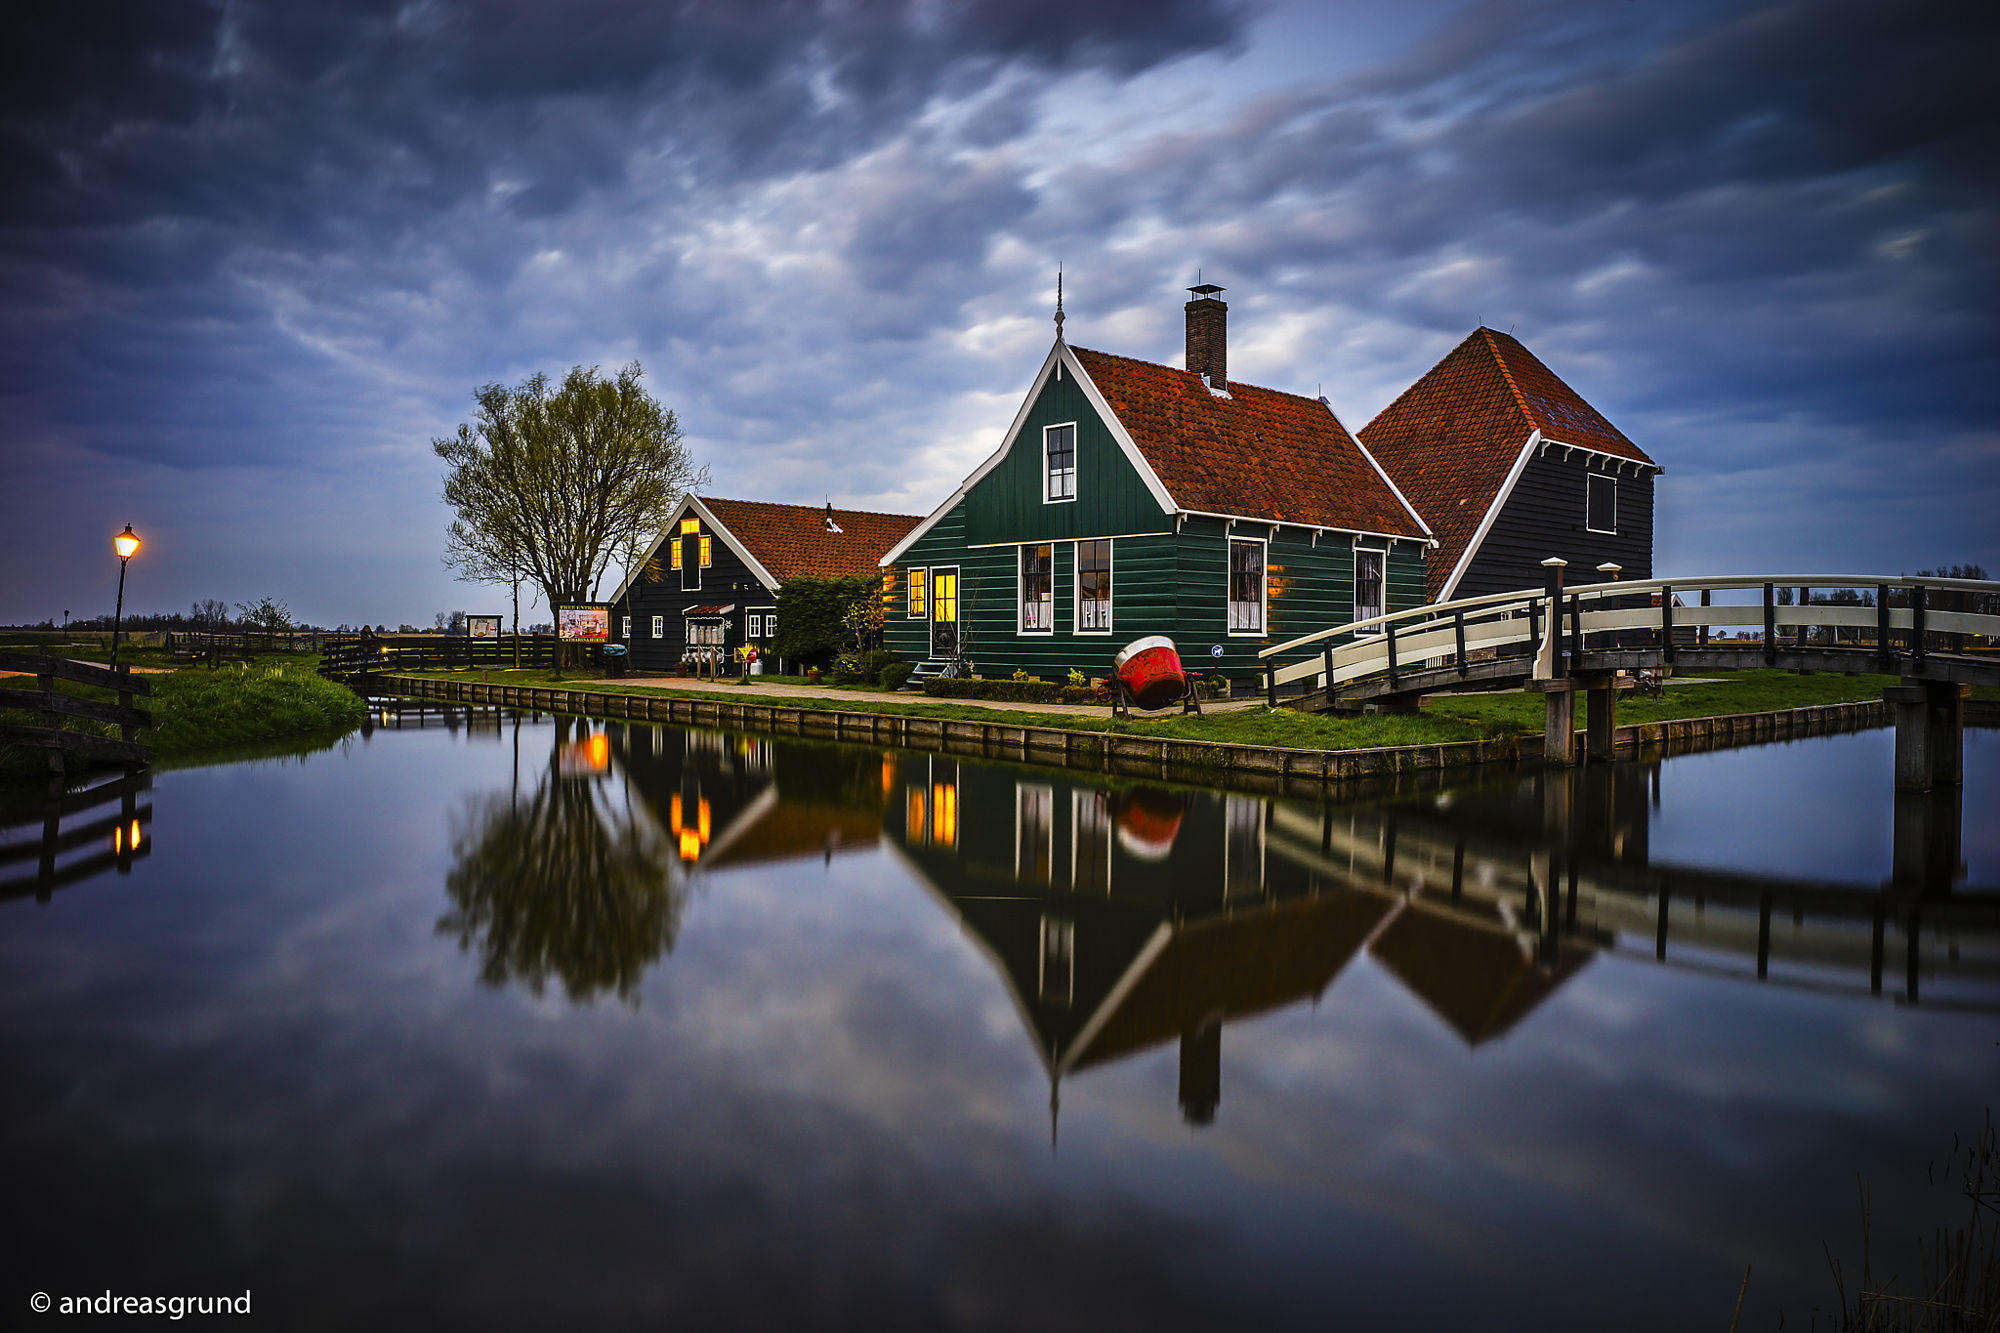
column 768, row 690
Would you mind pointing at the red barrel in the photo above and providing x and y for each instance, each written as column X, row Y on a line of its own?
column 1151, row 671
column 1148, row 822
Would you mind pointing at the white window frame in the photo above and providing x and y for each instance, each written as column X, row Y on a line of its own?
column 1074, row 439
column 1239, row 813
column 1263, row 588
column 1590, row 479
column 1042, row 797
column 1076, row 584
column 1021, row 590
column 910, row 594
column 753, row 625
column 1354, row 591
column 659, row 627
column 704, row 547
column 771, row 624
column 1089, row 807
column 627, row 635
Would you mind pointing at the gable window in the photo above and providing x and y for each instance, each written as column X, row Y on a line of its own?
column 627, row 632
column 1038, row 589
column 707, row 550
column 677, row 553
column 1246, row 587
column 659, row 627
column 918, row 605
column 1093, row 587
column 1368, row 586
column 1059, row 463
column 1600, row 504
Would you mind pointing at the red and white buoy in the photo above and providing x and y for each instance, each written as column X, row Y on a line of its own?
column 1150, row 670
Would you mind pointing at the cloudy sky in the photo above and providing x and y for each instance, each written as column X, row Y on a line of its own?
column 254, row 256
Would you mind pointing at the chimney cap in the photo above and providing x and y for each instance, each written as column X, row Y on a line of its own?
column 1206, row 289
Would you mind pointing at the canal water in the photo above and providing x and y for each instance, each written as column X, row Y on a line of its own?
column 488, row 1021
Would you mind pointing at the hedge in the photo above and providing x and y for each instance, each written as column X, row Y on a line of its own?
column 812, row 617
column 1015, row 691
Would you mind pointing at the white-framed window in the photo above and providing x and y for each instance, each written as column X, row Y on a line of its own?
column 1369, row 587
column 1059, row 463
column 1038, row 589
column 1243, row 846
column 659, row 627
column 1600, row 503
column 753, row 626
column 1058, row 960
column 626, row 633
column 1093, row 586
column 1247, row 585
column 1090, row 840
column 919, row 594
column 1034, row 832
column 770, row 624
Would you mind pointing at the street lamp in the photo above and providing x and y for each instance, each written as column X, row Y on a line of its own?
column 126, row 544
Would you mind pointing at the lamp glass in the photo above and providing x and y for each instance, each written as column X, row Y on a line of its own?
column 126, row 542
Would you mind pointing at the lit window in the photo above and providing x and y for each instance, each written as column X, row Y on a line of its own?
column 690, row 525
column 677, row 555
column 707, row 551
column 1093, row 587
column 659, row 627
column 918, row 607
column 1246, row 587
column 1059, row 462
column 1038, row 589
column 1600, row 504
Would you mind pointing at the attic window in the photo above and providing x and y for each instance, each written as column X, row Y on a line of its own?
column 1600, row 503
column 1059, row 463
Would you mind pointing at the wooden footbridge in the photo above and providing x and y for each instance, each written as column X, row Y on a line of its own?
column 1938, row 635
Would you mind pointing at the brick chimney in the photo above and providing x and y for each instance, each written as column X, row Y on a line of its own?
column 1208, row 335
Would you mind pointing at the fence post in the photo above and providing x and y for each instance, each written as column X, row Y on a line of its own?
column 1705, row 601
column 1553, row 587
column 1667, row 623
column 1883, row 652
column 1458, row 630
column 1326, row 665
column 1389, row 642
column 1917, row 601
column 1770, row 625
column 1271, row 684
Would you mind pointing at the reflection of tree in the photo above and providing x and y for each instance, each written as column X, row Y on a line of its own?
column 561, row 883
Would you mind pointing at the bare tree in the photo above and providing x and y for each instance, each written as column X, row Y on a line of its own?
column 551, row 483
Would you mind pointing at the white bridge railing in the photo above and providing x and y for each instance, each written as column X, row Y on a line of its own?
column 1898, row 612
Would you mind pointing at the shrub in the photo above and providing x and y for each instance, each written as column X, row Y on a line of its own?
column 892, row 675
column 813, row 617
column 1077, row 677
column 1084, row 694
column 847, row 670
column 1006, row 691
column 1021, row 673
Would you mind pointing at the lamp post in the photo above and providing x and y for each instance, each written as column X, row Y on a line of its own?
column 126, row 544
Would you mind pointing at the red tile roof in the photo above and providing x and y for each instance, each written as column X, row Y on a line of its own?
column 792, row 541
column 1451, row 438
column 1257, row 453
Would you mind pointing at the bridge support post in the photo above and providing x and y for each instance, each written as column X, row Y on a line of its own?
column 1600, row 716
column 1558, row 720
column 1930, row 734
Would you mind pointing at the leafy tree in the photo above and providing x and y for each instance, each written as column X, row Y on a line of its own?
column 266, row 614
column 813, row 617
column 550, row 483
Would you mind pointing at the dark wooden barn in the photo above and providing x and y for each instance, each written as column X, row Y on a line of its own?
column 709, row 584
column 1510, row 466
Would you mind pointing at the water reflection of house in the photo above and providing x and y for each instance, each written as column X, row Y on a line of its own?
column 1123, row 920
column 734, row 800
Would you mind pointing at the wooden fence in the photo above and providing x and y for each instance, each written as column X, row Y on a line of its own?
column 75, row 822
column 59, row 712
column 345, row 656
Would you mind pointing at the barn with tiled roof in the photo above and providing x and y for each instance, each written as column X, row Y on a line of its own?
column 1130, row 499
column 708, row 585
column 1509, row 466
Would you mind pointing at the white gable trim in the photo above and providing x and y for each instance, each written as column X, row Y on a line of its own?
column 1387, row 480
column 1492, row 513
column 715, row 525
column 1619, row 460
column 1059, row 355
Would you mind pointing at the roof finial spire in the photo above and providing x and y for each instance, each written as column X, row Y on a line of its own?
column 1059, row 309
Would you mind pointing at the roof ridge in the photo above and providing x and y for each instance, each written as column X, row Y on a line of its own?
column 1177, row 370
column 808, row 508
column 1520, row 398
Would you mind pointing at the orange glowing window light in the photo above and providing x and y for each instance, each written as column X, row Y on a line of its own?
column 944, row 813
column 600, row 753
column 690, row 525
column 915, row 818
column 674, row 813
column 690, row 845
column 701, row 818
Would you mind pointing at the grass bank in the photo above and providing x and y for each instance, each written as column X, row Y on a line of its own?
column 1444, row 717
column 197, row 711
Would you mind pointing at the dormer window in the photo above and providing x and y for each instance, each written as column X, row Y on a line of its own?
column 1059, row 463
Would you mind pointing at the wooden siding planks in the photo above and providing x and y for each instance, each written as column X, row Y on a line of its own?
column 1544, row 517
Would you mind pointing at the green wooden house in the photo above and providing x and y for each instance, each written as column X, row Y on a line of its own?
column 1131, row 499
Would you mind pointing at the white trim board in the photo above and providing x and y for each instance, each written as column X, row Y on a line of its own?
column 716, row 526
column 1492, row 513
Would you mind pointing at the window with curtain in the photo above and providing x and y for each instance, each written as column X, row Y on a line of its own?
column 918, row 592
column 1246, row 587
column 1038, row 590
column 1093, row 587
column 1059, row 452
